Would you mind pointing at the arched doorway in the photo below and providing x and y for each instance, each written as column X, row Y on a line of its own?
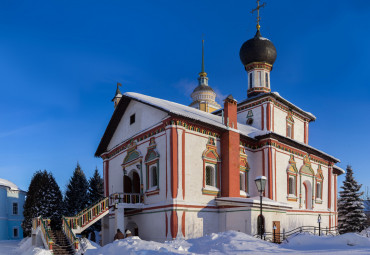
column 135, row 182
column 127, row 184
column 132, row 226
column 260, row 225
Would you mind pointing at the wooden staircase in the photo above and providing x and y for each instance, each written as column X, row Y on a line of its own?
column 65, row 242
column 61, row 244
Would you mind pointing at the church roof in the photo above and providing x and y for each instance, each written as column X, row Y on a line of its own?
column 171, row 108
column 193, row 114
column 277, row 96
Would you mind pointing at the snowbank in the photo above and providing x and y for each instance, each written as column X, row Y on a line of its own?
column 25, row 248
column 230, row 242
column 347, row 241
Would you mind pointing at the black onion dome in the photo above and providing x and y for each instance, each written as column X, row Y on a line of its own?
column 203, row 88
column 258, row 49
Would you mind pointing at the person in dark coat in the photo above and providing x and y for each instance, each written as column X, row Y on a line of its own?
column 119, row 235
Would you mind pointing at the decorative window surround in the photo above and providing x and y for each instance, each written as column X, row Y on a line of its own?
column 152, row 164
column 290, row 125
column 212, row 160
column 319, row 180
column 292, row 173
column 244, row 169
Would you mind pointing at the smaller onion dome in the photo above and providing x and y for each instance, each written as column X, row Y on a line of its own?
column 258, row 49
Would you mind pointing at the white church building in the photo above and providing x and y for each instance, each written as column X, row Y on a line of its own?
column 177, row 171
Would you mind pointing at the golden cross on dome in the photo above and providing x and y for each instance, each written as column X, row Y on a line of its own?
column 258, row 13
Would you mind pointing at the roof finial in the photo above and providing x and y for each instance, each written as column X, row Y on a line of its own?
column 118, row 91
column 203, row 73
column 258, row 13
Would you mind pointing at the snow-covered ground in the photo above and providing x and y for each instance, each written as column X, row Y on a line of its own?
column 229, row 242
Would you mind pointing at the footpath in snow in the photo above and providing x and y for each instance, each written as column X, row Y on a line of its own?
column 229, row 242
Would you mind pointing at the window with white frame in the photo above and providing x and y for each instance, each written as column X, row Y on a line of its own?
column 210, row 176
column 15, row 208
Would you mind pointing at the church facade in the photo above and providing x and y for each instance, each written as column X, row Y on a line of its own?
column 176, row 171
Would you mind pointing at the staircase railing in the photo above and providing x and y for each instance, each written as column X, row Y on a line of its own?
column 44, row 225
column 129, row 198
column 69, row 233
column 88, row 215
column 279, row 237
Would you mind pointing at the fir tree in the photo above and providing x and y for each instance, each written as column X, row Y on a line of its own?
column 96, row 188
column 351, row 217
column 76, row 196
column 44, row 198
column 96, row 193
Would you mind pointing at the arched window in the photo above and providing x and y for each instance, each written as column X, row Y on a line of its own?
column 267, row 80
column 210, row 176
column 153, row 177
column 291, row 185
column 318, row 190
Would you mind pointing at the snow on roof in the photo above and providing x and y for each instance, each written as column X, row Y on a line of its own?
column 260, row 133
column 277, row 95
column 339, row 169
column 208, row 118
column 8, row 184
column 191, row 113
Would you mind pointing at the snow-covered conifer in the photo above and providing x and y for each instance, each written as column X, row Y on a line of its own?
column 351, row 216
column 44, row 198
column 76, row 197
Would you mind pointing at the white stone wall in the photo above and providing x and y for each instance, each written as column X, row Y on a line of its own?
column 255, row 164
column 145, row 117
column 280, row 125
column 282, row 163
column 257, row 118
column 195, row 144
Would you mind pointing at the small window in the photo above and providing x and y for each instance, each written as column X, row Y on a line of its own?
column 260, row 78
column 250, row 80
column 153, row 176
column 15, row 232
column 15, row 208
column 267, row 80
column 318, row 190
column 132, row 119
column 289, row 130
column 210, row 176
column 242, row 181
column 291, row 186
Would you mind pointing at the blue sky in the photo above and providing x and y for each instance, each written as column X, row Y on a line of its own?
column 60, row 61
